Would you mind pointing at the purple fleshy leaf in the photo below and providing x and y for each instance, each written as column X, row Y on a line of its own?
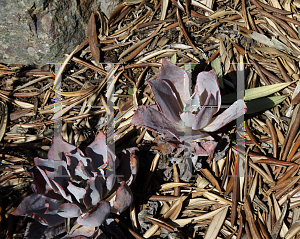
column 110, row 180
column 166, row 99
column 112, row 161
column 81, row 232
column 124, row 197
column 58, row 174
column 187, row 118
column 178, row 78
column 74, row 158
column 203, row 148
column 150, row 118
column 34, row 206
column 205, row 113
column 93, row 192
column 60, row 178
column 236, row 110
column 48, row 165
column 52, row 205
column 96, row 216
column 69, row 210
column 207, row 82
column 81, row 171
column 48, row 181
column 40, row 186
column 58, row 148
column 77, row 192
column 99, row 152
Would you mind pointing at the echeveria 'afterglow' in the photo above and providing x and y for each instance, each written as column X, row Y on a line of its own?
column 71, row 185
column 186, row 116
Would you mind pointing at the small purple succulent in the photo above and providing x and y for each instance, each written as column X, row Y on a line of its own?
column 71, row 185
column 185, row 116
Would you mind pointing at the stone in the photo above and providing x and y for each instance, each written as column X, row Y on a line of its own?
column 37, row 32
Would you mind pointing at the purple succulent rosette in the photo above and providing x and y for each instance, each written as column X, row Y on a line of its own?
column 184, row 115
column 71, row 185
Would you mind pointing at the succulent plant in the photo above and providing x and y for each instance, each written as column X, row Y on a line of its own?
column 71, row 185
column 185, row 116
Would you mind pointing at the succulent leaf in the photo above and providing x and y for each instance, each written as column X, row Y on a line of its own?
column 205, row 114
column 166, row 99
column 96, row 216
column 81, row 232
column 58, row 147
column 69, row 210
column 77, row 192
column 187, row 118
column 93, row 192
column 178, row 78
column 98, row 151
column 41, row 187
column 154, row 120
column 52, row 205
column 73, row 159
column 207, row 82
column 60, row 178
column 82, row 172
column 34, row 206
column 124, row 197
column 236, row 110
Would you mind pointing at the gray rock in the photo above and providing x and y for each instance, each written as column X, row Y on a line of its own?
column 107, row 6
column 37, row 32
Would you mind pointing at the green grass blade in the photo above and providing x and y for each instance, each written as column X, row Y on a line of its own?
column 263, row 104
column 216, row 64
column 256, row 93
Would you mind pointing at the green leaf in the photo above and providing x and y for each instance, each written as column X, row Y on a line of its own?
column 216, row 64
column 259, row 92
column 263, row 104
column 173, row 59
column 256, row 93
column 130, row 91
column 193, row 66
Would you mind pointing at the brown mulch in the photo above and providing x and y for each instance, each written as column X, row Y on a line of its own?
column 217, row 202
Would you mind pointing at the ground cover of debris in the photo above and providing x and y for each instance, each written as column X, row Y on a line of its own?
column 172, row 119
